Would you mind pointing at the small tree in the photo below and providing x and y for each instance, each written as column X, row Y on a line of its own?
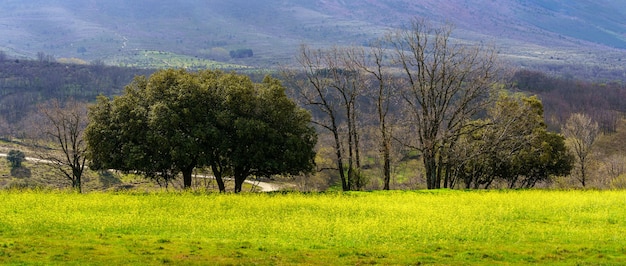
column 581, row 133
column 490, row 151
column 64, row 126
column 15, row 158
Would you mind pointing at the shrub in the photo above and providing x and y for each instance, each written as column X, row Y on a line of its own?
column 15, row 158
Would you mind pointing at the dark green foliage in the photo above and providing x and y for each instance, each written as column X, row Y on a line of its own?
column 547, row 156
column 175, row 121
column 15, row 158
column 512, row 146
column 269, row 133
column 241, row 53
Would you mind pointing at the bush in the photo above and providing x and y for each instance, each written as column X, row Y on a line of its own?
column 15, row 158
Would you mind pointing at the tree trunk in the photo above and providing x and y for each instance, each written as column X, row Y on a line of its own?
column 431, row 170
column 239, row 180
column 582, row 172
column 355, row 144
column 240, row 177
column 187, row 173
column 77, row 186
column 513, row 182
column 342, row 175
column 220, row 184
column 217, row 172
column 489, row 183
column 386, row 166
column 447, row 180
column 439, row 165
column 352, row 183
column 385, row 140
column 76, row 182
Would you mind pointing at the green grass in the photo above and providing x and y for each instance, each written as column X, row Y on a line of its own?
column 418, row 227
column 161, row 59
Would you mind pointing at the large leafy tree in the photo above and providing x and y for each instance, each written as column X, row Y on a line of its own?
column 176, row 121
column 145, row 130
column 512, row 145
column 267, row 133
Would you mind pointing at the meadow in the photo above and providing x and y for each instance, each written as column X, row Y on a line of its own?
column 164, row 60
column 397, row 227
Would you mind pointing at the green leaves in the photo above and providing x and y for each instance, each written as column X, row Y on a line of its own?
column 513, row 145
column 176, row 121
column 15, row 158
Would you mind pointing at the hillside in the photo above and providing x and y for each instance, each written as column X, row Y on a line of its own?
column 529, row 32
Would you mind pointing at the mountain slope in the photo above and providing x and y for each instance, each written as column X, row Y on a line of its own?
column 555, row 31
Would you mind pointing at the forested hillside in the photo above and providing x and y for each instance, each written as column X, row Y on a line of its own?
column 562, row 97
column 527, row 33
column 26, row 83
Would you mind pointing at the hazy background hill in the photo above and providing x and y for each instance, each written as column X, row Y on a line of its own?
column 530, row 32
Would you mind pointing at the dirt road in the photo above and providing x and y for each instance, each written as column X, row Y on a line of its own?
column 265, row 186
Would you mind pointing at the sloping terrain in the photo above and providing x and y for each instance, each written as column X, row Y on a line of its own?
column 528, row 31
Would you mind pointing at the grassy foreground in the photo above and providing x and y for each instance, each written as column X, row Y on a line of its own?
column 419, row 227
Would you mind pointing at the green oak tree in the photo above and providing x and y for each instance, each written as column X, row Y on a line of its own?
column 267, row 133
column 175, row 121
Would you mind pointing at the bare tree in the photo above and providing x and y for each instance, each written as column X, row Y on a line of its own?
column 581, row 133
column 63, row 126
column 45, row 58
column 331, row 88
column 382, row 89
column 447, row 83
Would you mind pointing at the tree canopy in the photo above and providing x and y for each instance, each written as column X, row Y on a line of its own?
column 511, row 145
column 176, row 121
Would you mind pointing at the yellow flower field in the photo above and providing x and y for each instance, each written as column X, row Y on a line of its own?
column 397, row 227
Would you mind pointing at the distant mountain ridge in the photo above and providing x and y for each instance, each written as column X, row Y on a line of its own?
column 528, row 31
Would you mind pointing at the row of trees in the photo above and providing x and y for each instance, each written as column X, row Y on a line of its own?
column 415, row 89
column 510, row 142
column 187, row 120
column 176, row 121
column 423, row 91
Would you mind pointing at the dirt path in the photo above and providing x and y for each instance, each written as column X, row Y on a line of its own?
column 30, row 159
column 265, row 186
